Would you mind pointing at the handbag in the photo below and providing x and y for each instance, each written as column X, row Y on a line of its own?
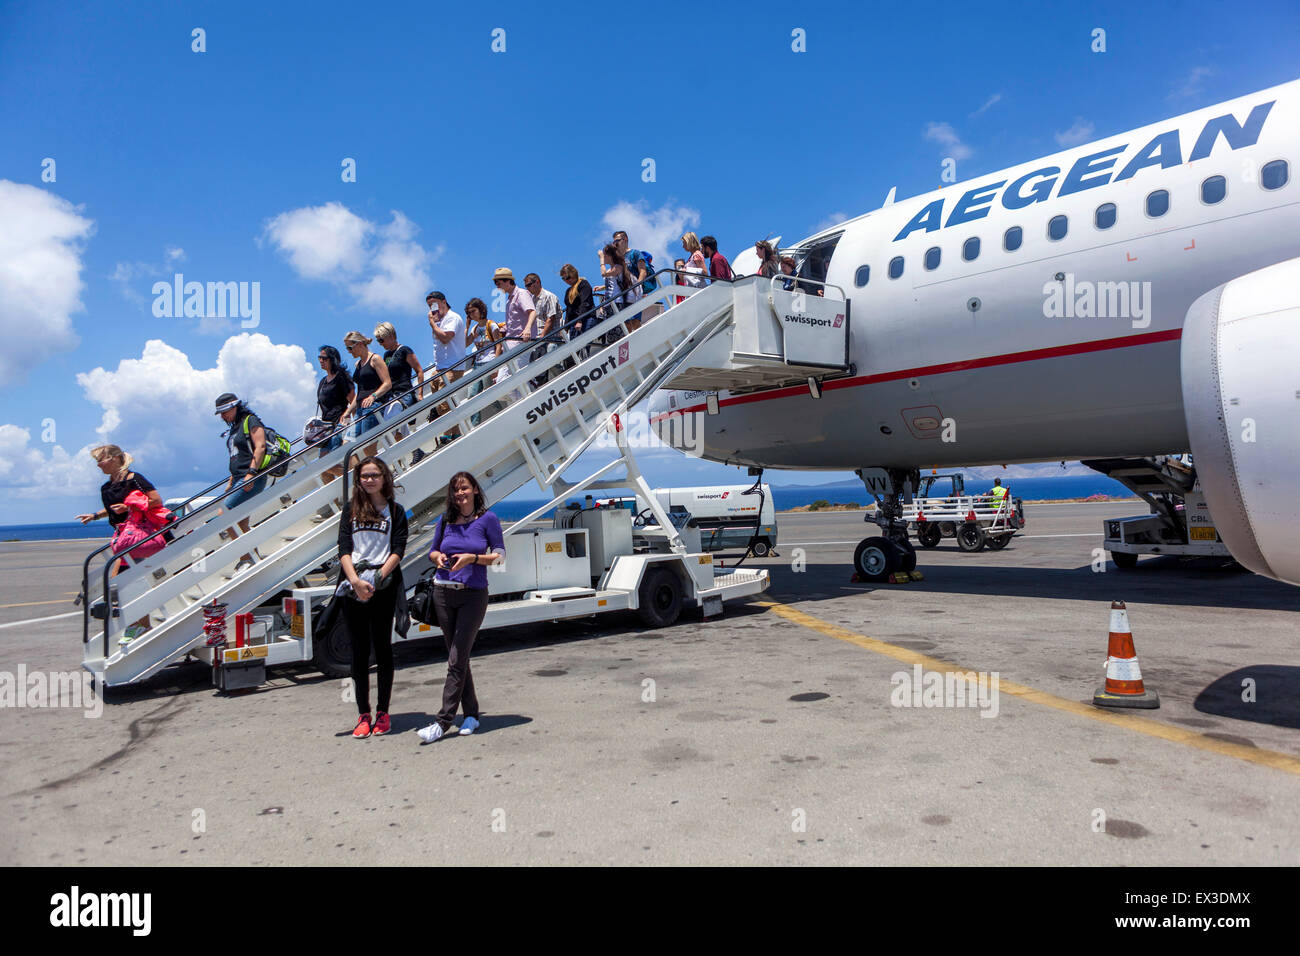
column 421, row 606
column 130, row 538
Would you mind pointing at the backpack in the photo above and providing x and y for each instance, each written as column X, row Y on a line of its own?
column 649, row 284
column 277, row 449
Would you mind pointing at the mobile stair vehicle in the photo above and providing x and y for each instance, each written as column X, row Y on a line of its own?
column 1179, row 522
column 511, row 433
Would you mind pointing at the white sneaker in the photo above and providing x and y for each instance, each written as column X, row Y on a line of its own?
column 468, row 726
column 431, row 733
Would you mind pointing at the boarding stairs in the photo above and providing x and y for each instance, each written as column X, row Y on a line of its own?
column 746, row 333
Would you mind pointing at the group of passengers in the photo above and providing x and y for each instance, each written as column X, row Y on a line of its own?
column 382, row 385
column 372, row 525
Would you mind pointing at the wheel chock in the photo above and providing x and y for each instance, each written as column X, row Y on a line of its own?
column 918, row 576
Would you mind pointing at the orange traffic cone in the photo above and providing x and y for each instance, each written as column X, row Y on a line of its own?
column 1123, row 687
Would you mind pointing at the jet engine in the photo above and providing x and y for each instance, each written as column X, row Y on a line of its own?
column 1241, row 396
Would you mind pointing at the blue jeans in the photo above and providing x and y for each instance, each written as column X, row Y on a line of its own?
column 369, row 419
column 242, row 494
column 399, row 404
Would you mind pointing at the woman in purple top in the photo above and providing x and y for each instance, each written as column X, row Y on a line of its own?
column 467, row 540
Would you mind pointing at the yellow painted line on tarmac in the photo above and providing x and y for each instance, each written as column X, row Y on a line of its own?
column 1128, row 720
column 35, row 603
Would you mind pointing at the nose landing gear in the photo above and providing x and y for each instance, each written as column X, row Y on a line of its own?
column 879, row 556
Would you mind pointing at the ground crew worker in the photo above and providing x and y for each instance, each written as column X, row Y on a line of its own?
column 997, row 493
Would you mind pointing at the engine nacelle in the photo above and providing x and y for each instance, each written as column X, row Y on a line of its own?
column 1241, row 396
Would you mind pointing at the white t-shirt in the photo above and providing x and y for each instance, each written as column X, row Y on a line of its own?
column 446, row 357
column 371, row 541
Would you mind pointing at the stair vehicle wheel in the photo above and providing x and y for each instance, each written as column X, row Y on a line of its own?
column 906, row 555
column 875, row 559
column 1124, row 560
column 332, row 652
column 948, row 529
column 760, row 547
column 997, row 542
column 659, row 599
column 929, row 535
column 971, row 537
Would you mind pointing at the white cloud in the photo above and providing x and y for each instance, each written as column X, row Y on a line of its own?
column 159, row 407
column 946, row 136
column 131, row 276
column 1194, row 84
column 399, row 274
column 656, row 231
column 1077, row 134
column 834, row 219
column 41, row 237
column 987, row 103
column 383, row 267
column 29, row 472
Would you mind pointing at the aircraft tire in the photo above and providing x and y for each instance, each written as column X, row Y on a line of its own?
column 906, row 555
column 875, row 559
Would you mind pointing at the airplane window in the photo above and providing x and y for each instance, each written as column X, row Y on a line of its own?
column 1158, row 203
column 932, row 258
column 1011, row 241
column 895, row 267
column 1274, row 174
column 970, row 249
column 1057, row 227
column 863, row 276
column 1213, row 190
column 1105, row 217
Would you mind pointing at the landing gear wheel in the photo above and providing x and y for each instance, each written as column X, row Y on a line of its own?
column 1124, row 560
column 929, row 535
column 906, row 555
column 997, row 542
column 875, row 559
column 759, row 547
column 971, row 537
column 659, row 599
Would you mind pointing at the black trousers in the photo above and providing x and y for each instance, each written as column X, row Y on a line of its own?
column 460, row 614
column 370, row 624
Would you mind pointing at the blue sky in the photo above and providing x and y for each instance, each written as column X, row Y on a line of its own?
column 225, row 165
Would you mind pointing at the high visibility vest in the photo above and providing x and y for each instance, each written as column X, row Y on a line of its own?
column 998, row 493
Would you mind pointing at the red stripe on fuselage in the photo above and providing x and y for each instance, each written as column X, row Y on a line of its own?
column 1011, row 358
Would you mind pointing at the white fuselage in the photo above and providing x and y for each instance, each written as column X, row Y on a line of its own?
column 988, row 360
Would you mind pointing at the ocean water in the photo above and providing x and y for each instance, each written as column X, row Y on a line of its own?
column 1050, row 489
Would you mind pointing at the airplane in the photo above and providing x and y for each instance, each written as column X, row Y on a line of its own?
column 1134, row 296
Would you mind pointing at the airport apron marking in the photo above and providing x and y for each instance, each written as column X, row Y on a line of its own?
column 1142, row 725
column 1011, row 358
column 38, row 620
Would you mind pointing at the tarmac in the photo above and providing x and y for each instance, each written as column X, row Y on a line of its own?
column 784, row 732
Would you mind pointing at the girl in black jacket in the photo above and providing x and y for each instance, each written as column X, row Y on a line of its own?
column 372, row 543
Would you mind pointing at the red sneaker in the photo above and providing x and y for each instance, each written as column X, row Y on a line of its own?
column 362, row 728
column 382, row 724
